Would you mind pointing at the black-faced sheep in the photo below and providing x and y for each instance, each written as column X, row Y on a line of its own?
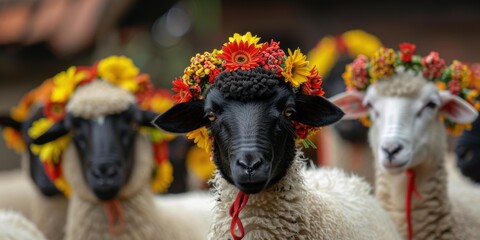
column 255, row 110
column 108, row 163
column 408, row 139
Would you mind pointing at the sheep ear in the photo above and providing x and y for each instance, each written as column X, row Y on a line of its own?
column 57, row 130
column 7, row 121
column 146, row 118
column 182, row 118
column 316, row 111
column 351, row 103
column 456, row 109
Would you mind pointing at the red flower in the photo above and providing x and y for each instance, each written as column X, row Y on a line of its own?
column 407, row 50
column 272, row 57
column 53, row 171
column 239, row 55
column 91, row 72
column 213, row 74
column 314, row 84
column 433, row 65
column 54, row 110
column 183, row 91
column 301, row 130
column 454, row 86
column 359, row 71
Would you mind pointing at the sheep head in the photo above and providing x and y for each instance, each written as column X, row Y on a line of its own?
column 406, row 108
column 253, row 134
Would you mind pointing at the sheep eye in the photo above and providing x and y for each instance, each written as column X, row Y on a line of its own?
column 288, row 111
column 431, row 105
column 211, row 116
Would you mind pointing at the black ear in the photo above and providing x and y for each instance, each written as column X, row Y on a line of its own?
column 146, row 118
column 182, row 118
column 57, row 130
column 7, row 121
column 316, row 111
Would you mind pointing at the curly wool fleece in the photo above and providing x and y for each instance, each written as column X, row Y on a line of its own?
column 305, row 204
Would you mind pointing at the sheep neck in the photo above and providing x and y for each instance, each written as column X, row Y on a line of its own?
column 431, row 214
column 87, row 220
column 271, row 206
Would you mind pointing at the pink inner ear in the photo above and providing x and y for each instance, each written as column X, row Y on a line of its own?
column 351, row 103
column 457, row 110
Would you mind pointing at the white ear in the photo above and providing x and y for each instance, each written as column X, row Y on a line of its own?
column 456, row 109
column 351, row 103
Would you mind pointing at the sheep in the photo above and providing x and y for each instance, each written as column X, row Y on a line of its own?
column 249, row 116
column 108, row 164
column 15, row 226
column 44, row 199
column 408, row 139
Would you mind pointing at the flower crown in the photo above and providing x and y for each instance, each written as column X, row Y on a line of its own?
column 456, row 78
column 245, row 52
column 119, row 71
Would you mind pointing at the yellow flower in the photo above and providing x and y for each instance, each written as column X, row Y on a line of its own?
column 202, row 138
column 163, row 177
column 14, row 140
column 199, row 163
column 360, row 42
column 366, row 121
column 50, row 151
column 382, row 64
column 441, row 85
column 296, row 68
column 64, row 84
column 324, row 55
column 156, row 135
column 119, row 70
column 247, row 38
column 63, row 186
column 348, row 76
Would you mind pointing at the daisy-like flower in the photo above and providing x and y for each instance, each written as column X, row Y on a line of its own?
column 51, row 151
column 54, row 110
column 183, row 91
column 240, row 55
column 163, row 172
column 119, row 70
column 314, row 84
column 296, row 69
column 199, row 163
column 65, row 82
column 202, row 138
column 246, row 38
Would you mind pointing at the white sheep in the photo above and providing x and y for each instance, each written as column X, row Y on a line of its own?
column 250, row 116
column 407, row 135
column 15, row 226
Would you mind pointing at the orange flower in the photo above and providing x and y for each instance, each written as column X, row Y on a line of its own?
column 239, row 55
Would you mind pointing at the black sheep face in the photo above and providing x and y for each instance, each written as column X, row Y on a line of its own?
column 104, row 146
column 36, row 170
column 250, row 115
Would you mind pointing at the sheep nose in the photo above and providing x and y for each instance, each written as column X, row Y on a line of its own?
column 105, row 171
column 249, row 161
column 392, row 148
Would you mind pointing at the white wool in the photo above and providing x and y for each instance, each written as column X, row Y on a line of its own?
column 99, row 98
column 305, row 204
column 14, row 226
column 144, row 217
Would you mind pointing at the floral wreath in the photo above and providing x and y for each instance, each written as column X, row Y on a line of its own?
column 245, row 52
column 456, row 78
column 354, row 42
column 119, row 71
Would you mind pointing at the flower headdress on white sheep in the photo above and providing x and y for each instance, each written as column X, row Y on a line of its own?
column 119, row 71
column 456, row 78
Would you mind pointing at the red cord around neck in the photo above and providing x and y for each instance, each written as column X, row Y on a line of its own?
column 408, row 200
column 116, row 217
column 235, row 208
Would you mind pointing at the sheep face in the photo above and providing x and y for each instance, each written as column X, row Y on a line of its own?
column 406, row 127
column 254, row 139
column 104, row 146
column 35, row 166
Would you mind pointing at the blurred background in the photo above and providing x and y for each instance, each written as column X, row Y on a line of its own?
column 39, row 38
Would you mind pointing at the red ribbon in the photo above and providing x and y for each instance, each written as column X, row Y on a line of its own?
column 408, row 203
column 116, row 217
column 237, row 206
